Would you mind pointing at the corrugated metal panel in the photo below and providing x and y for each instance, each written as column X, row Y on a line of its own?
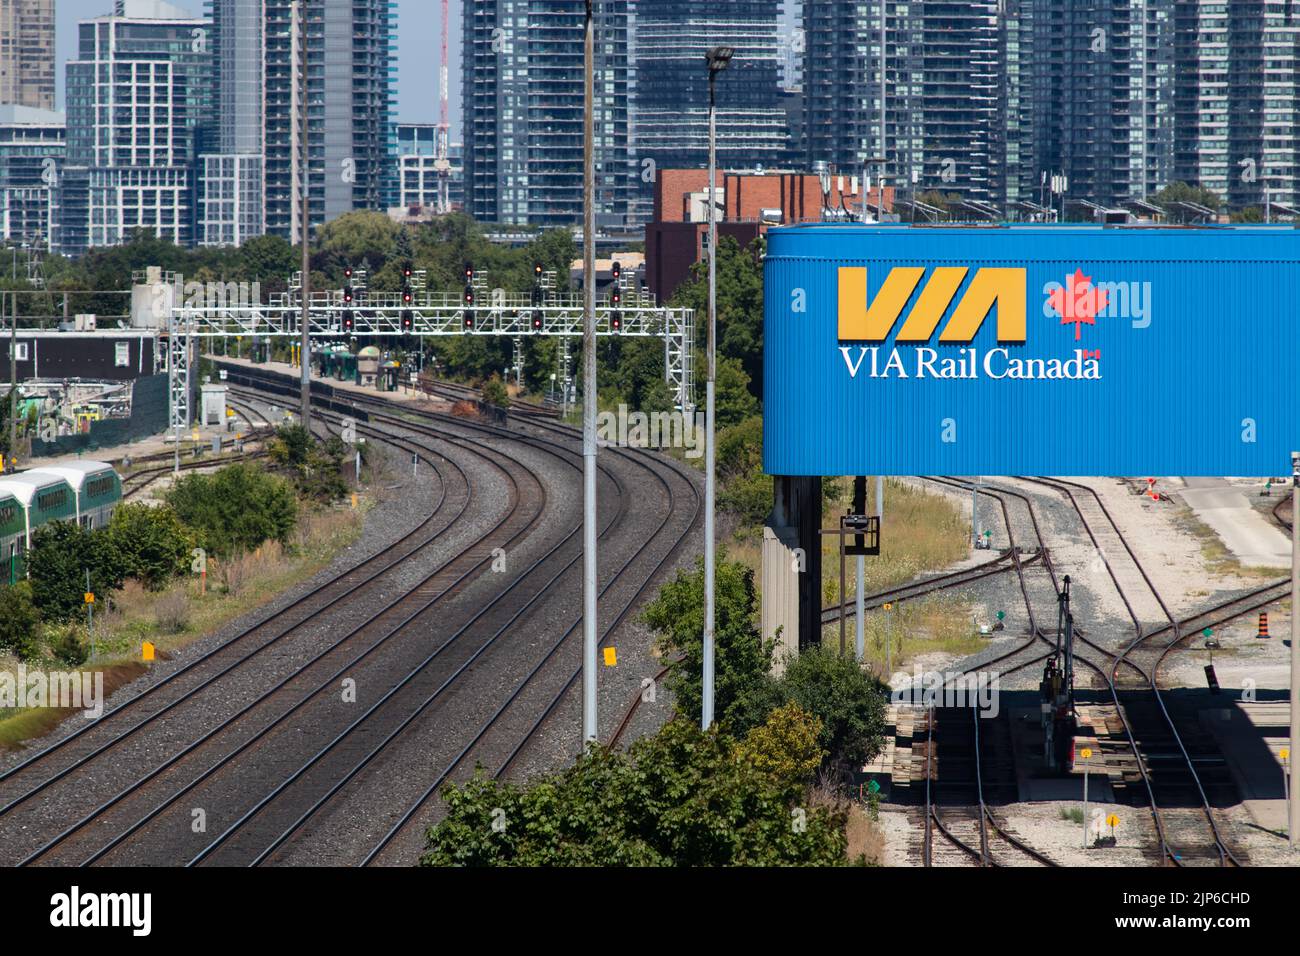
column 1197, row 372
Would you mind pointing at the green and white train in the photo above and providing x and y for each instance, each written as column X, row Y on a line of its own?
column 81, row 491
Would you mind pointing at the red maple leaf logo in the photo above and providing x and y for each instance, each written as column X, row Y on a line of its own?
column 1077, row 302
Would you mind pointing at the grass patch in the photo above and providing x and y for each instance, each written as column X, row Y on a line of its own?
column 922, row 532
column 935, row 624
column 1073, row 815
column 180, row 614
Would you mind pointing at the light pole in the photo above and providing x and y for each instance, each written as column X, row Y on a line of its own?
column 13, row 381
column 304, row 189
column 1293, row 798
column 589, row 639
column 718, row 58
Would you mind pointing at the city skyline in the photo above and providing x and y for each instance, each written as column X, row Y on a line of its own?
column 417, row 53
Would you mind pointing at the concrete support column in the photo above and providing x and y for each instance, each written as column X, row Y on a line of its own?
column 792, row 565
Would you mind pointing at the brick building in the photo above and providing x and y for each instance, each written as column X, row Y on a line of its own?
column 749, row 204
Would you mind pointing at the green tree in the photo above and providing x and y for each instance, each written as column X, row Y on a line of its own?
column 740, row 305
column 60, row 555
column 267, row 259
column 355, row 238
column 236, row 508
column 152, row 542
column 741, row 658
column 682, row 797
column 846, row 700
column 291, row 445
column 743, row 489
column 20, row 621
column 1178, row 192
column 938, row 199
column 735, row 401
column 316, row 465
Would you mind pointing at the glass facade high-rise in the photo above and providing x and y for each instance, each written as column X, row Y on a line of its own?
column 27, row 53
column 230, row 179
column 1105, row 80
column 1236, row 124
column 671, row 99
column 523, row 112
column 350, row 102
column 136, row 96
column 31, row 158
column 989, row 100
column 952, row 95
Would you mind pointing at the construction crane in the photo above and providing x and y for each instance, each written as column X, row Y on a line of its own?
column 442, row 136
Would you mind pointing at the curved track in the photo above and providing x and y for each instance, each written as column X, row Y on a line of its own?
column 353, row 585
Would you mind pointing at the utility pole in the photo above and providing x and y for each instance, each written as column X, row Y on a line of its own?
column 1293, row 801
column 860, row 603
column 589, row 637
column 717, row 59
column 303, row 184
column 13, row 381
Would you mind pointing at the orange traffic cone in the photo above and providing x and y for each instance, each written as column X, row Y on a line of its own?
column 1263, row 625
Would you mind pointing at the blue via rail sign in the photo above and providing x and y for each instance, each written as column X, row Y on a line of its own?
column 1014, row 350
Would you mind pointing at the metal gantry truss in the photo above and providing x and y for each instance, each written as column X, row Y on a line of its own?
column 380, row 315
column 178, row 369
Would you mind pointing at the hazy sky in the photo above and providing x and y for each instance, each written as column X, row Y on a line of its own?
column 418, row 26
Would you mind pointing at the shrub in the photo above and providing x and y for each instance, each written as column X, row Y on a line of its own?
column 19, row 621
column 68, row 648
column 172, row 612
column 315, row 466
column 495, row 392
column 236, row 508
column 785, row 745
column 60, row 556
column 152, row 542
column 682, row 797
column 848, row 702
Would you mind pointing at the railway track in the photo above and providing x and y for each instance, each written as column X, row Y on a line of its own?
column 347, row 586
column 1172, row 768
column 965, row 774
column 463, row 393
column 1000, row 564
column 1137, row 666
column 138, row 481
column 141, row 478
column 409, row 820
column 503, row 726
